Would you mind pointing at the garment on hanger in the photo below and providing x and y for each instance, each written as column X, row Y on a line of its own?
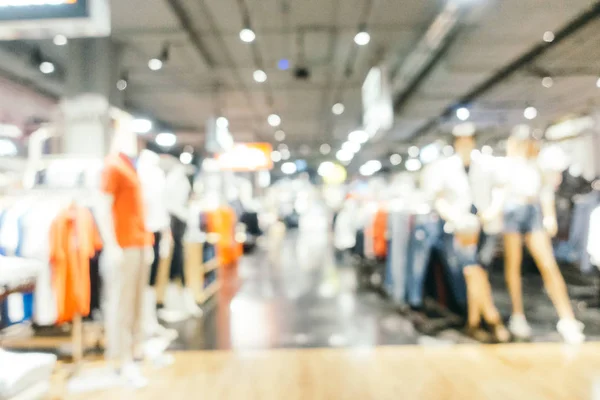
column 380, row 227
column 593, row 244
column 399, row 226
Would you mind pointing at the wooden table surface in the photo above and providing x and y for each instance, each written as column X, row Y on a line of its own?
column 515, row 371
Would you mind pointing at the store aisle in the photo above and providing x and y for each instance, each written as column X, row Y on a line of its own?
column 516, row 371
column 304, row 302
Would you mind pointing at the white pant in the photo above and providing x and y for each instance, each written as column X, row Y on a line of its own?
column 123, row 304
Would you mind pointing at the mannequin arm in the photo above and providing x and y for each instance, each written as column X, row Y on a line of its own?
column 496, row 205
column 102, row 209
column 445, row 209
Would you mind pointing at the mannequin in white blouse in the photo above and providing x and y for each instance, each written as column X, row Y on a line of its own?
column 529, row 214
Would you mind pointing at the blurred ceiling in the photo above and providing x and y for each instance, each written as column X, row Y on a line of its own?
column 494, row 64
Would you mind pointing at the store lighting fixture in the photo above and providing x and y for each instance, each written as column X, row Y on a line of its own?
column 344, row 155
column 370, row 167
column 186, row 158
column 165, row 139
column 338, row 109
column 530, row 113
column 279, row 135
column 463, row 113
column 122, row 84
column 351, row 147
column 413, row 165
column 547, row 82
column 598, row 83
column 60, row 40
column 260, row 76
column 325, row 149
column 288, row 168
column 285, row 154
column 274, row 120
column 283, row 64
column 157, row 63
column 396, row 159
column 548, row 37
column 360, row 137
column 141, row 125
column 487, row 150
column 222, row 122
column 282, row 147
column 275, row 156
column 325, row 168
column 247, row 35
column 362, row 38
column 413, row 151
column 47, row 67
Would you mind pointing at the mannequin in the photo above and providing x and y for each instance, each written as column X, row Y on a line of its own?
column 529, row 214
column 455, row 182
column 178, row 188
column 153, row 181
column 126, row 257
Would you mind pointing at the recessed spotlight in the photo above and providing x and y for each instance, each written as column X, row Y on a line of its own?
column 548, row 37
column 247, row 35
column 362, row 38
column 279, row 135
column 46, row 67
column 288, row 168
column 285, row 154
column 186, row 157
column 413, row 151
column 274, row 120
column 260, row 76
column 547, row 82
column 325, row 149
column 352, row 147
column 463, row 113
column 141, row 125
column 155, row 64
column 165, row 139
column 60, row 40
column 413, row 164
column 344, row 155
column 530, row 112
column 396, row 159
column 222, row 122
column 358, row 136
column 598, row 83
column 122, row 84
column 275, row 156
column 338, row 109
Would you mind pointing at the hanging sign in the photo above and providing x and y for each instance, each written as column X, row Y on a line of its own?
column 246, row 157
column 43, row 19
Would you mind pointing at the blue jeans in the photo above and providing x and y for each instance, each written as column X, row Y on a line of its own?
column 398, row 245
column 523, row 218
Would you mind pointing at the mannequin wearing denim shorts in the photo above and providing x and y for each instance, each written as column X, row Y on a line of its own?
column 529, row 214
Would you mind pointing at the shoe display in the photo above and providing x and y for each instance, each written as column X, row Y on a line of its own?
column 571, row 331
column 519, row 327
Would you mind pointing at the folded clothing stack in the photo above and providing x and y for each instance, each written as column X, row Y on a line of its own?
column 25, row 371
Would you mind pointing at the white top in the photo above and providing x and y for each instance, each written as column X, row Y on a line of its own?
column 344, row 231
column 593, row 244
column 153, row 183
column 178, row 193
column 525, row 180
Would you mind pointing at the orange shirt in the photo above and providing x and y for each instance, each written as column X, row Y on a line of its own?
column 380, row 233
column 223, row 221
column 73, row 241
column 120, row 180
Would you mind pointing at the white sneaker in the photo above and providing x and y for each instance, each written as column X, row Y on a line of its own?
column 133, row 376
column 518, row 327
column 571, row 331
column 190, row 305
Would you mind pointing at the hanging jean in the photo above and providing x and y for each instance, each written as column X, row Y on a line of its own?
column 396, row 269
column 177, row 230
column 456, row 257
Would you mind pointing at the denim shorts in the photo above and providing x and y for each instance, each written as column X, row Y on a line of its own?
column 523, row 218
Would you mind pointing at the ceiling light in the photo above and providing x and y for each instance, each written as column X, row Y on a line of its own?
column 548, row 37
column 396, row 159
column 279, row 135
column 46, row 67
column 325, row 168
column 359, row 137
column 141, row 125
column 547, row 82
column 283, row 64
column 155, row 64
column 463, row 113
column 247, row 35
column 362, row 38
column 288, row 168
column 60, row 40
column 413, row 151
column 122, row 84
column 165, row 139
column 274, row 120
column 285, row 154
column 352, row 147
column 186, row 158
column 338, row 109
column 282, row 146
column 487, row 150
column 413, row 165
column 7, row 148
column 222, row 122
column 530, row 112
column 275, row 156
column 325, row 149
column 344, row 155
column 598, row 83
column 260, row 76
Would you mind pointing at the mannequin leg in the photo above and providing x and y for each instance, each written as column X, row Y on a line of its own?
column 539, row 245
column 490, row 312
column 513, row 255
column 473, row 296
column 138, row 314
